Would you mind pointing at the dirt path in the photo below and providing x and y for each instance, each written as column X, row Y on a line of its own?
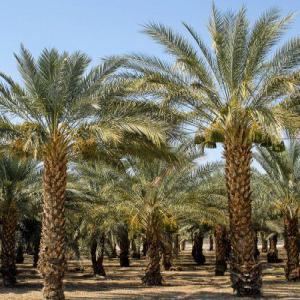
column 193, row 282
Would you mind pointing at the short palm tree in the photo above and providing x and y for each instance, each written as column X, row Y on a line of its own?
column 236, row 92
column 61, row 109
column 88, row 185
column 282, row 180
column 155, row 195
column 16, row 179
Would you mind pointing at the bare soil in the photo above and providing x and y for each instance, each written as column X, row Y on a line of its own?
column 191, row 282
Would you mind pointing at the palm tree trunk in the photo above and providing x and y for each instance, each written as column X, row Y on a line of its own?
column 8, row 263
column 167, row 251
column 98, row 256
column 36, row 250
column 152, row 275
column 182, row 245
column 211, row 243
column 272, row 256
column 292, row 270
column 135, row 248
column 245, row 270
column 176, row 247
column 110, row 249
column 124, row 244
column 197, row 250
column 52, row 262
column 256, row 251
column 20, row 255
column 264, row 242
column 145, row 247
column 221, row 249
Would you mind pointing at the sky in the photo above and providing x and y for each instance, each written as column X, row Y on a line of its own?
column 107, row 27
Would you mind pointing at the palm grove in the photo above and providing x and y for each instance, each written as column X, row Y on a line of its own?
column 94, row 158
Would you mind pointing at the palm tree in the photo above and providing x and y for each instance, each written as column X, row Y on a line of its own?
column 221, row 237
column 61, row 109
column 237, row 93
column 156, row 196
column 90, row 184
column 124, row 243
column 16, row 178
column 209, row 198
column 283, row 175
column 265, row 218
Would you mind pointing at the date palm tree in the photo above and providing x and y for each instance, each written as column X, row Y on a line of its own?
column 282, row 180
column 156, row 196
column 60, row 110
column 240, row 92
column 17, row 177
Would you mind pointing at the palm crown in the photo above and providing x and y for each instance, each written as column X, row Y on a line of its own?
column 241, row 82
column 59, row 95
column 282, row 176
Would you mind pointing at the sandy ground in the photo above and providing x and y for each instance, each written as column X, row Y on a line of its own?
column 192, row 282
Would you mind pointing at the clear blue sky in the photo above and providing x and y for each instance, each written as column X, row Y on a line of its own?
column 105, row 27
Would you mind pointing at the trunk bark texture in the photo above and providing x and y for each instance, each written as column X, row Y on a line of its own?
column 98, row 256
column 124, row 244
column 264, row 242
column 52, row 262
column 167, row 258
column 152, row 275
column 8, row 261
column 272, row 255
column 211, row 243
column 292, row 270
column 245, row 270
column 221, row 249
column 197, row 250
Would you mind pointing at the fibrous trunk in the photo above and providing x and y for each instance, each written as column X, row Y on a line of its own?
column 292, row 270
column 272, row 256
column 152, row 275
column 167, row 251
column 264, row 242
column 52, row 262
column 211, row 243
column 197, row 250
column 221, row 249
column 97, row 256
column 8, row 263
column 245, row 270
column 124, row 245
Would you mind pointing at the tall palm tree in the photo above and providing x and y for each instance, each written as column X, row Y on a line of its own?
column 236, row 92
column 61, row 109
column 282, row 180
column 16, row 178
